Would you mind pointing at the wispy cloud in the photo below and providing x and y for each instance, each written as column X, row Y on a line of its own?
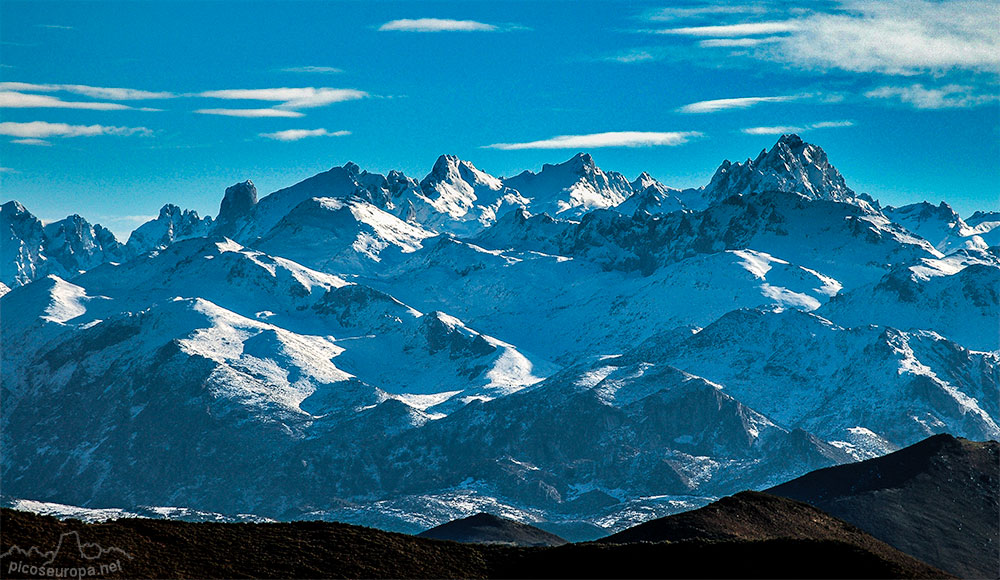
column 775, row 130
column 632, row 56
column 296, row 134
column 785, row 129
column 896, row 37
column 595, row 140
column 8, row 170
column 441, row 25
column 313, row 69
column 252, row 113
column 714, row 10
column 40, row 142
column 735, row 103
column 729, row 30
column 16, row 100
column 110, row 93
column 738, row 42
column 290, row 98
column 946, row 97
column 831, row 124
column 55, row 26
column 44, row 130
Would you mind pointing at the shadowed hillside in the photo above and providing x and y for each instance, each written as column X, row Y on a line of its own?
column 490, row 529
column 938, row 500
column 171, row 549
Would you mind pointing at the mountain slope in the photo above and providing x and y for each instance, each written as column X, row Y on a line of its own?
column 937, row 500
column 343, row 235
column 862, row 386
column 957, row 296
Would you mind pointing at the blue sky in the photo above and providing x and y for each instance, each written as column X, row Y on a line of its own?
column 112, row 109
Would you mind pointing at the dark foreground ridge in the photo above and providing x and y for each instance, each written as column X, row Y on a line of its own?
column 938, row 500
column 490, row 529
column 171, row 549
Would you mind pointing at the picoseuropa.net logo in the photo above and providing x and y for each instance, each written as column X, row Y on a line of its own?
column 71, row 558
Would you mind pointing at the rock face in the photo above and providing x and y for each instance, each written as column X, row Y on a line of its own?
column 65, row 248
column 938, row 500
column 238, row 202
column 172, row 225
column 490, row 529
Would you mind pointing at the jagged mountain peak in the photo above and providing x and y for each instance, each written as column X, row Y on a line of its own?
column 791, row 165
column 450, row 168
column 174, row 224
column 582, row 162
column 13, row 207
column 571, row 188
column 643, row 181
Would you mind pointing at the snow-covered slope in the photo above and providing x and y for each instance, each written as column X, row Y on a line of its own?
column 141, row 354
column 564, row 308
column 840, row 382
column 943, row 227
column 571, row 188
column 338, row 182
column 344, row 235
column 957, row 296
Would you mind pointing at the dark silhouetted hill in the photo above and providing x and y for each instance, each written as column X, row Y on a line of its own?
column 173, row 549
column 490, row 529
column 937, row 500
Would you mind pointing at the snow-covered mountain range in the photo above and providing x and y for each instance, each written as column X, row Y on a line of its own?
column 566, row 345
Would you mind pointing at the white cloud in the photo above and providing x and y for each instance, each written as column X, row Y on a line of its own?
column 16, row 100
column 735, row 103
column 251, row 113
column 738, row 42
column 776, row 130
column 730, row 30
column 290, row 98
column 946, row 97
column 42, row 129
column 312, row 69
column 612, row 139
column 8, row 170
column 41, row 142
column 110, row 93
column 296, row 134
column 632, row 56
column 785, row 129
column 436, row 25
column 896, row 37
column 831, row 124
column 664, row 14
column 56, row 26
